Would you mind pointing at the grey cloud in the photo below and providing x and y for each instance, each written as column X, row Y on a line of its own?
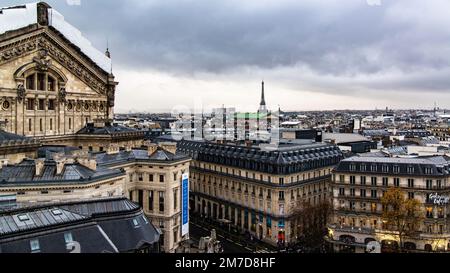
column 332, row 40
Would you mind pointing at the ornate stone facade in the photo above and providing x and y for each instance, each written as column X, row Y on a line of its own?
column 48, row 86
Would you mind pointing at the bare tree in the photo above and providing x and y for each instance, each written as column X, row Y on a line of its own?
column 309, row 222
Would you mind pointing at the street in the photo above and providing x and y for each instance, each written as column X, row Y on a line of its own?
column 196, row 231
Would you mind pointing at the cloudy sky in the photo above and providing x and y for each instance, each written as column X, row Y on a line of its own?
column 312, row 54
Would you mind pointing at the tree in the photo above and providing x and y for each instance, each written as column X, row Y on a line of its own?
column 400, row 214
column 309, row 223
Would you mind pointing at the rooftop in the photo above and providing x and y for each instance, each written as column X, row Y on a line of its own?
column 25, row 173
column 97, row 225
column 160, row 155
column 16, row 17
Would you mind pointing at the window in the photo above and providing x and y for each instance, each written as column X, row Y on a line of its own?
column 352, row 192
column 429, row 184
column 396, row 169
column 363, row 167
column 428, row 170
column 41, row 104
column 396, row 182
column 41, row 81
column 161, row 178
column 174, row 176
column 352, row 205
column 51, row 124
column 385, row 182
column 161, row 201
column 363, row 180
column 23, row 217
column 30, row 104
column 373, row 181
column 410, row 183
column 68, row 237
column 410, row 169
column 34, row 245
column 373, row 168
column 341, row 191
column 140, row 197
column 70, row 123
column 352, row 167
column 281, row 181
column 30, row 125
column 373, row 193
column 362, row 193
column 281, row 195
column 40, row 125
column 438, row 184
column 429, row 211
column 150, row 177
column 175, row 235
column 342, row 178
column 385, row 168
column 352, row 180
column 150, row 200
column 30, row 84
column 410, row 195
column 175, row 199
column 51, row 84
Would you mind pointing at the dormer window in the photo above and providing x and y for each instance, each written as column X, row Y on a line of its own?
column 352, row 167
column 373, row 168
column 396, row 169
column 363, row 167
column 410, row 169
column 385, row 168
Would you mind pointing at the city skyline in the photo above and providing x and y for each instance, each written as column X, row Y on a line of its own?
column 352, row 55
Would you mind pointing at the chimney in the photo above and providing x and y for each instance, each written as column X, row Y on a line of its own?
column 112, row 149
column 39, row 166
column 151, row 148
column 171, row 147
column 128, row 147
column 60, row 165
column 88, row 162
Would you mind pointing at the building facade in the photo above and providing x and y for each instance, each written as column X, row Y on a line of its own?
column 359, row 184
column 256, row 188
column 52, row 82
column 153, row 180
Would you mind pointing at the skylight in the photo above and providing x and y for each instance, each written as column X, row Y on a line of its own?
column 23, row 217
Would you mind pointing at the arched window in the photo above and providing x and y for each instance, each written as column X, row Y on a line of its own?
column 41, row 81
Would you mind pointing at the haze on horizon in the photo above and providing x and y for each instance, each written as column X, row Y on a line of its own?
column 312, row 54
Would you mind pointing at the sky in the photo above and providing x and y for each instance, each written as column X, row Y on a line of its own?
column 311, row 54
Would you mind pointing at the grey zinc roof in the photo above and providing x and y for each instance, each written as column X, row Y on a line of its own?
column 98, row 225
column 123, row 156
column 108, row 129
column 24, row 172
column 11, row 223
column 437, row 165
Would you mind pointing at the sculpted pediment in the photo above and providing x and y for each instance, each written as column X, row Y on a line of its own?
column 49, row 49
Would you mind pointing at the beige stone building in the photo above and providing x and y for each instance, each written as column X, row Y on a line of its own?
column 51, row 82
column 153, row 180
column 255, row 188
column 359, row 183
column 57, row 90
